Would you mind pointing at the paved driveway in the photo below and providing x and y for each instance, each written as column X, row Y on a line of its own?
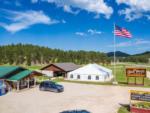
column 93, row 98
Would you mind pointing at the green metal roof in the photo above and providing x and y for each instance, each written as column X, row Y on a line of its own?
column 20, row 75
column 4, row 70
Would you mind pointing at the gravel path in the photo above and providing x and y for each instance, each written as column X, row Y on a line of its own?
column 93, row 98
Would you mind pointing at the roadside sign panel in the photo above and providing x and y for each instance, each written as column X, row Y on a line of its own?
column 139, row 101
column 140, row 95
column 135, row 72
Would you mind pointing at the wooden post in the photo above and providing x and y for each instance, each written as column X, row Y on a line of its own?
column 65, row 74
column 28, row 83
column 135, row 80
column 18, row 83
column 34, row 81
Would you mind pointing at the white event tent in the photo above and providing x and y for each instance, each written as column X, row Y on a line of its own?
column 91, row 72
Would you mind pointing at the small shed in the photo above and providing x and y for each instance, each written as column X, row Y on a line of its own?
column 46, row 73
column 60, row 69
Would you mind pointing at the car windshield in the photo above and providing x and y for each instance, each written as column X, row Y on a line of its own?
column 51, row 83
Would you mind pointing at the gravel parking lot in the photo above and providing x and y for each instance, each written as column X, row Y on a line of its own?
column 93, row 98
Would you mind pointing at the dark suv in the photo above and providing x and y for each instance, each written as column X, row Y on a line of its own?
column 51, row 86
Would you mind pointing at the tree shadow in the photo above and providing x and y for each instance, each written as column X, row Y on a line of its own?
column 75, row 111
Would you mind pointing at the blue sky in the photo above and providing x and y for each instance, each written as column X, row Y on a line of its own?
column 76, row 24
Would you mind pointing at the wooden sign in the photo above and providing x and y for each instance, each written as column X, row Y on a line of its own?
column 140, row 95
column 135, row 72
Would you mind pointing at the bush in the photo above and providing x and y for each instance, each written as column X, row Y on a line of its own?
column 123, row 110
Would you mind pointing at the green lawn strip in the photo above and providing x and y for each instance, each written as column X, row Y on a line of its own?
column 95, row 83
column 122, row 79
column 33, row 67
column 42, row 78
column 120, row 76
column 147, row 82
column 81, row 82
column 86, row 82
column 123, row 109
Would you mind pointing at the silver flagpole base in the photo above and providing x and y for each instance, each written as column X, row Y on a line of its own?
column 115, row 83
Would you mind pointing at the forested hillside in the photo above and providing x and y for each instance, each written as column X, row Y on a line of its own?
column 32, row 55
column 35, row 55
column 143, row 58
column 118, row 54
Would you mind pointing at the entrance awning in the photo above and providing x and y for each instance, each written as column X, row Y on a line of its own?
column 4, row 70
column 20, row 75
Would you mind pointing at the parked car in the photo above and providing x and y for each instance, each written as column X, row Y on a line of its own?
column 51, row 86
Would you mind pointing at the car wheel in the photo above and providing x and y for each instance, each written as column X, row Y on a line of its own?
column 58, row 91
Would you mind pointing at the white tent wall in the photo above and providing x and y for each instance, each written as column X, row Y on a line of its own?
column 85, row 77
column 97, row 73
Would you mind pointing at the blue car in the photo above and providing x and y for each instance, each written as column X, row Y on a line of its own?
column 51, row 86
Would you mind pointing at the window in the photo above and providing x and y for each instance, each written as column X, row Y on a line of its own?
column 89, row 77
column 78, row 76
column 71, row 76
column 97, row 77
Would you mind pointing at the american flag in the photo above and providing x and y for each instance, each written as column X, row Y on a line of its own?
column 119, row 31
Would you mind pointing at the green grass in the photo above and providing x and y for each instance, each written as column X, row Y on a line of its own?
column 122, row 79
column 42, row 78
column 120, row 75
column 34, row 67
column 123, row 110
column 82, row 82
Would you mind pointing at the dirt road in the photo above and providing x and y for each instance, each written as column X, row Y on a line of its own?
column 93, row 98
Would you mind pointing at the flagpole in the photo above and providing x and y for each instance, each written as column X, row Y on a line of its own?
column 115, row 81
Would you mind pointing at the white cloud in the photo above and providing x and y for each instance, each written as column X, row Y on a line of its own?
column 63, row 21
column 124, row 44
column 141, row 41
column 94, row 6
column 80, row 33
column 136, row 8
column 17, row 3
column 11, row 2
column 22, row 20
column 69, row 9
column 135, row 42
column 148, row 17
column 94, row 32
column 97, row 16
column 89, row 32
column 34, row 1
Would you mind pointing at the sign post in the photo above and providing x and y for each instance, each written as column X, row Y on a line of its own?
column 136, row 72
